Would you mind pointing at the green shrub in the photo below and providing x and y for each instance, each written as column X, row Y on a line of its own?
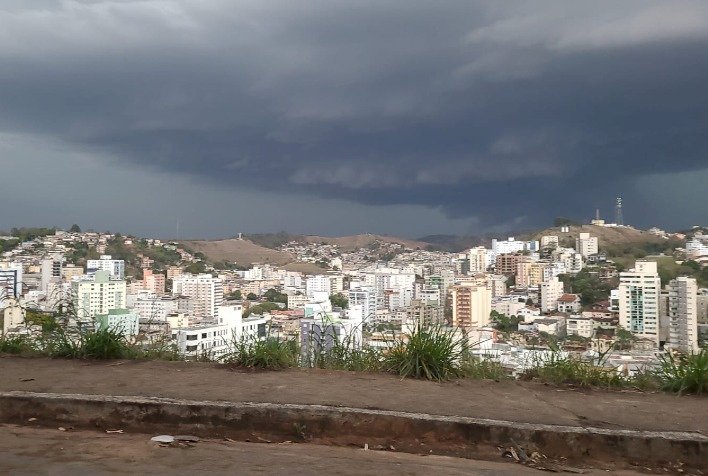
column 432, row 353
column 685, row 373
column 17, row 345
column 268, row 354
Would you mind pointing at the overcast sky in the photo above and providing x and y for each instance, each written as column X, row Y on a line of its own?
column 214, row 117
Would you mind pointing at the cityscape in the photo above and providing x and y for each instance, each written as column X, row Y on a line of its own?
column 352, row 237
column 514, row 300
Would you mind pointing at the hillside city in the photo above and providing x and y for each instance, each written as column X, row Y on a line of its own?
column 514, row 300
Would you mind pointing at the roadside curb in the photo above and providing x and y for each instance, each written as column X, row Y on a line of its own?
column 400, row 431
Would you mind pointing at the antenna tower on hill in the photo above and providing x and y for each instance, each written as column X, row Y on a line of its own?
column 618, row 212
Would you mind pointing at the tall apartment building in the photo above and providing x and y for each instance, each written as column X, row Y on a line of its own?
column 531, row 273
column 496, row 283
column 471, row 305
column 421, row 314
column 549, row 241
column 97, row 294
column 318, row 284
column 479, row 259
column 366, row 298
column 51, row 270
column 638, row 295
column 551, row 291
column 683, row 314
column 173, row 272
column 154, row 283
column 115, row 267
column 336, row 283
column 206, row 291
column 506, row 264
column 586, row 245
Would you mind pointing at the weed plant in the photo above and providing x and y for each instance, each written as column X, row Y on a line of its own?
column 482, row 369
column 684, row 373
column 268, row 354
column 432, row 353
column 17, row 345
column 560, row 370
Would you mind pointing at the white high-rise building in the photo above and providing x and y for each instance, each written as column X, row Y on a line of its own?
column 479, row 259
column 206, row 291
column 319, row 283
column 550, row 292
column 683, row 314
column 507, row 246
column 586, row 245
column 98, row 294
column 638, row 295
column 366, row 298
column 115, row 267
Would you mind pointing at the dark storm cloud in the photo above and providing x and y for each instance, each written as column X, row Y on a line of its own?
column 493, row 109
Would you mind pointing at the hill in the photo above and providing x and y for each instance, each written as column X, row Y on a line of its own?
column 353, row 242
column 242, row 252
column 608, row 237
column 346, row 243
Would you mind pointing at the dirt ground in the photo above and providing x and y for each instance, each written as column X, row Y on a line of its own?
column 507, row 400
column 25, row 451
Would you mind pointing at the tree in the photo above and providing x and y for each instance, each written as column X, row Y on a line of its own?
column 75, row 228
column 562, row 221
column 198, row 267
column 339, row 300
column 623, row 338
column 274, row 296
column 251, row 297
column 236, row 295
column 261, row 308
column 503, row 322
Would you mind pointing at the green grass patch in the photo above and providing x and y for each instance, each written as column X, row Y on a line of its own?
column 560, row 370
column 268, row 354
column 483, row 369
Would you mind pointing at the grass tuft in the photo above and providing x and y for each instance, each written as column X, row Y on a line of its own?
column 432, row 353
column 483, row 369
column 560, row 370
column 17, row 345
column 684, row 373
column 268, row 354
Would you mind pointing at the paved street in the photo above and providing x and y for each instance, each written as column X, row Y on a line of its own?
column 30, row 451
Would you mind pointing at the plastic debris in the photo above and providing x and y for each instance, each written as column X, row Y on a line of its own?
column 163, row 439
